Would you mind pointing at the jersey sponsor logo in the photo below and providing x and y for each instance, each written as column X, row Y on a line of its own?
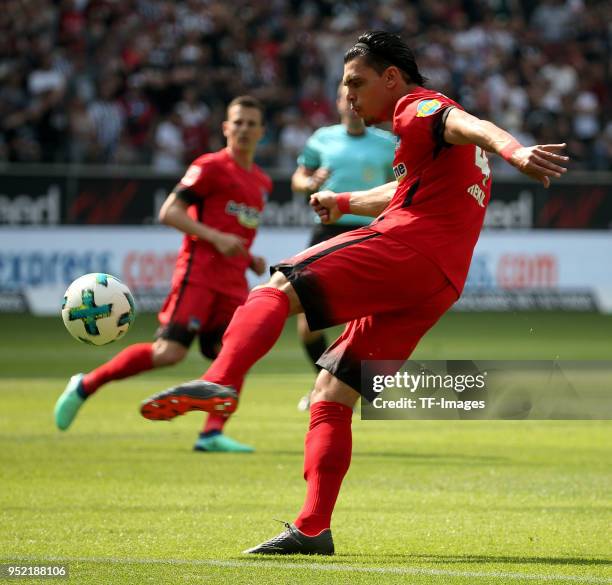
column 246, row 216
column 191, row 176
column 400, row 171
column 477, row 193
column 427, row 108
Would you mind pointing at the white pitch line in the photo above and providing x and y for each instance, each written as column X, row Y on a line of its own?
column 331, row 567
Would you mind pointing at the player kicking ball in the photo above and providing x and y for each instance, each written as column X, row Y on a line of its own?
column 343, row 157
column 389, row 281
column 217, row 206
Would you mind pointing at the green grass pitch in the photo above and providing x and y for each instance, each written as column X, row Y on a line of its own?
column 123, row 500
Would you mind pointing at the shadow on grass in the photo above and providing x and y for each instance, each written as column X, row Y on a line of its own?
column 519, row 560
column 417, row 560
column 554, row 509
column 280, row 560
column 415, row 457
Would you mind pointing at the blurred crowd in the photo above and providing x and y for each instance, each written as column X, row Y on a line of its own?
column 146, row 81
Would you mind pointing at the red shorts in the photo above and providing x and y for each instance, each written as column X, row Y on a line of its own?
column 191, row 310
column 388, row 294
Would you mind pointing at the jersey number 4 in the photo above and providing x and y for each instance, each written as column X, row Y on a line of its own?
column 482, row 162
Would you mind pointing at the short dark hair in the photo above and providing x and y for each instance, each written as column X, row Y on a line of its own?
column 381, row 50
column 246, row 101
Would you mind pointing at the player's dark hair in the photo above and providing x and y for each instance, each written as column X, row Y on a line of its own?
column 381, row 50
column 247, row 101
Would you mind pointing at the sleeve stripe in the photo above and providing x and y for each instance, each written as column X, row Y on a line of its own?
column 438, row 130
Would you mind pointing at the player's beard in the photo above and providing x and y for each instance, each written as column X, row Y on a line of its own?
column 368, row 120
column 371, row 120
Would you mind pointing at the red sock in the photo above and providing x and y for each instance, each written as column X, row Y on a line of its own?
column 327, row 457
column 252, row 332
column 216, row 422
column 132, row 360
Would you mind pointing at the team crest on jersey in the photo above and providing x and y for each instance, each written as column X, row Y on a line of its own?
column 247, row 216
column 400, row 171
column 368, row 174
column 427, row 108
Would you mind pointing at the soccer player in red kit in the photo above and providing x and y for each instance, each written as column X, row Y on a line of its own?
column 389, row 281
column 217, row 205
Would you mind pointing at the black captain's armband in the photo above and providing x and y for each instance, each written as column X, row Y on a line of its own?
column 185, row 195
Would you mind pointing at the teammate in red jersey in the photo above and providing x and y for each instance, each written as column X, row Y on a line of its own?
column 390, row 281
column 216, row 205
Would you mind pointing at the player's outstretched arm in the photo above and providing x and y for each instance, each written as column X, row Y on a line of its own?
column 540, row 162
column 173, row 212
column 330, row 206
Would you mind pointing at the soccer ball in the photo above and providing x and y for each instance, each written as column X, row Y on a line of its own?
column 98, row 309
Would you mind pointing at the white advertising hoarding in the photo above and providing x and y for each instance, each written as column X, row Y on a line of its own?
column 510, row 270
column 544, row 269
column 38, row 264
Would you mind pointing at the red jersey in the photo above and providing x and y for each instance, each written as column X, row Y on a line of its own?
column 226, row 197
column 439, row 206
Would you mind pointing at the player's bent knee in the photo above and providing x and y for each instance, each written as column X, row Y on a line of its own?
column 330, row 389
column 167, row 353
column 279, row 281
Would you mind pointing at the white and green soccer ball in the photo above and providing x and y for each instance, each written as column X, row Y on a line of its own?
column 98, row 309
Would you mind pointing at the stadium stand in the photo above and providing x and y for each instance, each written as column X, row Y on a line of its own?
column 146, row 81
